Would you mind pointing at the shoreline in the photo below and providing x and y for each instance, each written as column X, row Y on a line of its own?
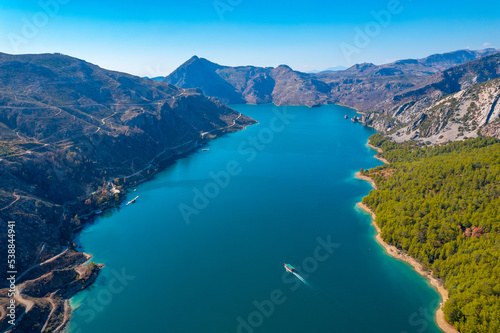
column 358, row 175
column 378, row 150
column 157, row 164
column 400, row 255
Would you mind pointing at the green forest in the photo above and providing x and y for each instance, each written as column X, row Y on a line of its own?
column 441, row 205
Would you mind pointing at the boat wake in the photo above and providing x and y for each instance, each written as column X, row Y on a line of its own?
column 301, row 279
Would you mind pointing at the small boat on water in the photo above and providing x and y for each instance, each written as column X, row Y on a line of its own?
column 132, row 201
column 205, row 149
column 346, row 117
column 289, row 268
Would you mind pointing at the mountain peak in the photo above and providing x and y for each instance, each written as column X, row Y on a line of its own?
column 191, row 60
column 285, row 67
column 200, row 62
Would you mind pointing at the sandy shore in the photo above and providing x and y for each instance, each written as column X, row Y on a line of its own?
column 380, row 151
column 394, row 252
column 368, row 179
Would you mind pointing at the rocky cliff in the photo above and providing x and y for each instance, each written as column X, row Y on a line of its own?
column 468, row 113
column 412, row 106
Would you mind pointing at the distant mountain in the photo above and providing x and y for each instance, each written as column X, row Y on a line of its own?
column 335, row 69
column 444, row 61
column 329, row 69
column 73, row 135
column 203, row 74
column 370, row 87
column 420, row 67
column 158, row 78
column 248, row 84
column 362, row 86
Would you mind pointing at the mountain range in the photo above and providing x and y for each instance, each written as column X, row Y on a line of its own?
column 329, row 69
column 361, row 86
column 392, row 96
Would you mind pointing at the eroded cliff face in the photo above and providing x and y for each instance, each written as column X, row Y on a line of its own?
column 468, row 113
column 451, row 105
column 73, row 136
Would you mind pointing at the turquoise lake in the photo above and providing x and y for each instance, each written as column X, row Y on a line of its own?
column 203, row 248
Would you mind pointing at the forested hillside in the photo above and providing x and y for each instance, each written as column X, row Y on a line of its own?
column 441, row 206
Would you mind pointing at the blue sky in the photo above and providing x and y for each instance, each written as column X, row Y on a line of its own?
column 153, row 37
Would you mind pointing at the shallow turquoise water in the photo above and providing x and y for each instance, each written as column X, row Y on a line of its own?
column 280, row 191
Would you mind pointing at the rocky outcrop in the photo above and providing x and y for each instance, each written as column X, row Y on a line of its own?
column 492, row 129
column 468, row 113
column 44, row 292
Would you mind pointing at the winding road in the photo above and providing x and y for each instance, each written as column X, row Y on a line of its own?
column 178, row 146
column 42, row 263
column 13, row 202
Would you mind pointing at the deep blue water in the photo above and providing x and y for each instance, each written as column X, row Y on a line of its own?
column 280, row 191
